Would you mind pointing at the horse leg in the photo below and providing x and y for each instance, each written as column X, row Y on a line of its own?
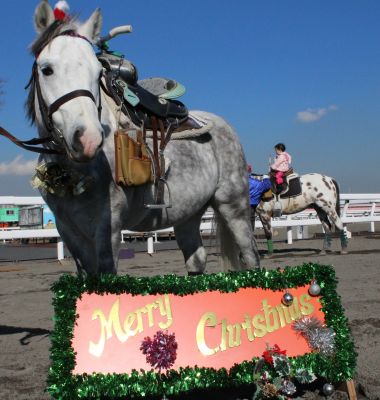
column 326, row 224
column 189, row 241
column 81, row 248
column 326, row 215
column 234, row 222
column 267, row 226
column 108, row 245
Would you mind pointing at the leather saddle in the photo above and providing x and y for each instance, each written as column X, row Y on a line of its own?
column 142, row 99
column 292, row 186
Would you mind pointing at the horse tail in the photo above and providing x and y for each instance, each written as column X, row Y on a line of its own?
column 337, row 204
column 229, row 251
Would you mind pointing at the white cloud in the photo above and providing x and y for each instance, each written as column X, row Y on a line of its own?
column 18, row 166
column 314, row 114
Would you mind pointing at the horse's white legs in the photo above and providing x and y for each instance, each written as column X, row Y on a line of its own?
column 236, row 225
column 190, row 242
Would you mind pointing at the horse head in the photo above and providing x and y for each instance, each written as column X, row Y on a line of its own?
column 64, row 98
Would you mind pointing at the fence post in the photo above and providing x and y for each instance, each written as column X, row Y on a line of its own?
column 150, row 244
column 289, row 232
column 372, row 224
column 60, row 249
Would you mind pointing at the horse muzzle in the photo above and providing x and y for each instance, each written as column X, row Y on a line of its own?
column 86, row 143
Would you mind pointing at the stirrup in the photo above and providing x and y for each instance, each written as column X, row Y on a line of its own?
column 159, row 205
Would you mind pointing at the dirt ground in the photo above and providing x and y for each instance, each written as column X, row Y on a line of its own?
column 26, row 311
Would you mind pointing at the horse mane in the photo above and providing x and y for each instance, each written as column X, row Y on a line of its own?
column 52, row 31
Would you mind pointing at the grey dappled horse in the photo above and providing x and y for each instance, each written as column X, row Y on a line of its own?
column 202, row 173
column 317, row 191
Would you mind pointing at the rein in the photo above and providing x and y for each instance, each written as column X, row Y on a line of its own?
column 28, row 144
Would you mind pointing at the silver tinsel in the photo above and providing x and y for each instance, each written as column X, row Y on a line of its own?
column 306, row 324
column 319, row 337
column 322, row 340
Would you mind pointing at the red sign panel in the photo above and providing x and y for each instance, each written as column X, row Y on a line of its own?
column 212, row 329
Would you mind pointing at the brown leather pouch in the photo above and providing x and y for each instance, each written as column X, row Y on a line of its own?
column 133, row 165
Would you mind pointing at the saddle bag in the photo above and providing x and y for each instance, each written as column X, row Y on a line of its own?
column 133, row 165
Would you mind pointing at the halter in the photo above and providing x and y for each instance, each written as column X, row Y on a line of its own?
column 56, row 136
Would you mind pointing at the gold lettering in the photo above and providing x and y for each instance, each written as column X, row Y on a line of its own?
column 260, row 329
column 150, row 308
column 281, row 315
column 208, row 319
column 268, row 312
column 294, row 310
column 306, row 307
column 106, row 326
column 129, row 320
column 139, row 312
column 286, row 313
column 165, row 311
column 234, row 341
column 248, row 327
column 133, row 323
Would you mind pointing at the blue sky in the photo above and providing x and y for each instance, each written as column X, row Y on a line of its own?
column 306, row 73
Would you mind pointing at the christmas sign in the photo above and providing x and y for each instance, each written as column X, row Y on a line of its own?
column 118, row 336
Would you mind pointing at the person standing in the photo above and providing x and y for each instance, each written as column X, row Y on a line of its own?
column 256, row 189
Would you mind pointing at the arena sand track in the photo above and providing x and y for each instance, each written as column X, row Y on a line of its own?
column 26, row 311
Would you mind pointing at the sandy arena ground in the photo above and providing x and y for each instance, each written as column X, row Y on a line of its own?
column 26, row 310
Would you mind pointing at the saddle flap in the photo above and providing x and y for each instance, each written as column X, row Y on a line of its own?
column 292, row 176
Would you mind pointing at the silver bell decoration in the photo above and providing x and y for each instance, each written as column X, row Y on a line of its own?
column 287, row 299
column 314, row 289
column 328, row 389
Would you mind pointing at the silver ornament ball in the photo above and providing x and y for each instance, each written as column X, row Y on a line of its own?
column 287, row 299
column 314, row 289
column 328, row 389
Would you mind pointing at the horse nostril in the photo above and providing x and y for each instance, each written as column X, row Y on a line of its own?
column 77, row 144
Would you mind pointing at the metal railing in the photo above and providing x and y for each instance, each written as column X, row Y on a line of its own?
column 355, row 208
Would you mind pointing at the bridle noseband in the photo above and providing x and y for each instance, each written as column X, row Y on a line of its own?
column 56, row 136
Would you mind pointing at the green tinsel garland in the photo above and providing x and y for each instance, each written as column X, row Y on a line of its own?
column 62, row 384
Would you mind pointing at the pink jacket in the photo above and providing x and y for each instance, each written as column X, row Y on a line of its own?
column 282, row 161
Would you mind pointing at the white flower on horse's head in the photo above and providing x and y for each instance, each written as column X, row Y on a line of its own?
column 61, row 10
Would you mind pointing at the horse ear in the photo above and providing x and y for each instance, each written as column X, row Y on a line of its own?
column 43, row 16
column 92, row 27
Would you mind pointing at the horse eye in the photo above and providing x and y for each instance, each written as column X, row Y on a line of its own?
column 47, row 71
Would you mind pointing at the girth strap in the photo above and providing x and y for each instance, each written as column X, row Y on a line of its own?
column 28, row 144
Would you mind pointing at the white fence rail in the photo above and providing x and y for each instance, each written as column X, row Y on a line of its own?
column 355, row 208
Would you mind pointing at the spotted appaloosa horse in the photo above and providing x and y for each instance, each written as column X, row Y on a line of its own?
column 317, row 191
